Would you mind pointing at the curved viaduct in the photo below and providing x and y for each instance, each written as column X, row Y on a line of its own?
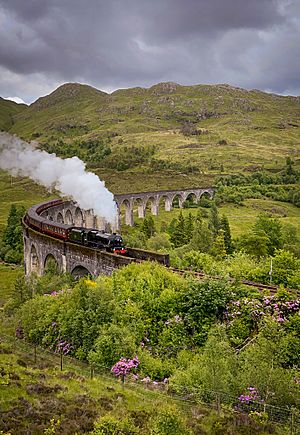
column 40, row 248
column 78, row 260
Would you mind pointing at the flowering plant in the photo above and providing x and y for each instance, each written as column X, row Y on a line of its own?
column 256, row 309
column 124, row 366
column 251, row 396
column 62, row 346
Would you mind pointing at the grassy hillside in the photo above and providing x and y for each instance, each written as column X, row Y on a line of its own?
column 37, row 398
column 33, row 394
column 177, row 135
column 19, row 191
column 8, row 110
column 241, row 218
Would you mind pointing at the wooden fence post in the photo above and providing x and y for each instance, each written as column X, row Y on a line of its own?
column 61, row 361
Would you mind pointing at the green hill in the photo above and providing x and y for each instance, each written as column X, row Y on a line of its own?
column 8, row 110
column 179, row 135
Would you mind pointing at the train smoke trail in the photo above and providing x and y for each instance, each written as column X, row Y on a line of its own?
column 68, row 176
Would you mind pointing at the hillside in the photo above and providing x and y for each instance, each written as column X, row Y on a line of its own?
column 8, row 110
column 181, row 135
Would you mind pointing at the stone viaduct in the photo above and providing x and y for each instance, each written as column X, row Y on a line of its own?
column 40, row 249
column 155, row 199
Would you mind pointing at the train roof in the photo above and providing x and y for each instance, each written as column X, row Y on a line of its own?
column 35, row 211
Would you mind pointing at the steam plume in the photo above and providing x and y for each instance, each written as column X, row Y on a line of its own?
column 68, row 176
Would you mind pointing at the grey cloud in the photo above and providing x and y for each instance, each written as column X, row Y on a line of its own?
column 123, row 43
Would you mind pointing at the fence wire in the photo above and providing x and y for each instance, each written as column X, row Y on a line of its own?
column 290, row 417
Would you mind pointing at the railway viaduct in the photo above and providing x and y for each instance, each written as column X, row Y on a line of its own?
column 41, row 249
column 156, row 199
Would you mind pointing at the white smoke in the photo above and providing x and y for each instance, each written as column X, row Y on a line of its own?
column 68, row 176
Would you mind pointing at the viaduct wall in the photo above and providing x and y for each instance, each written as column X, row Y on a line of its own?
column 78, row 260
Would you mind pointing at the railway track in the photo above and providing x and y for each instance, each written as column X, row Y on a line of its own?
column 261, row 287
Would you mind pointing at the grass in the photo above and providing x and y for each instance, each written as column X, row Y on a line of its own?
column 19, row 191
column 69, row 396
column 9, row 109
column 8, row 275
column 35, row 392
column 241, row 218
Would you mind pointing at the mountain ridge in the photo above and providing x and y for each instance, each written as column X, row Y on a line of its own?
column 162, row 106
column 177, row 135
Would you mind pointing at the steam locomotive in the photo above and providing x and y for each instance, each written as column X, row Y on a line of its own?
column 89, row 237
column 97, row 239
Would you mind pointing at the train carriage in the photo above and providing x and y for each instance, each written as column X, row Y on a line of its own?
column 90, row 237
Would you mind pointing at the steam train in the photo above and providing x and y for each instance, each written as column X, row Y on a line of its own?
column 89, row 237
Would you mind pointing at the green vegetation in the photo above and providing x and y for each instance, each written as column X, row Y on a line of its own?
column 8, row 110
column 197, row 133
column 11, row 247
column 37, row 398
column 19, row 191
column 213, row 342
column 8, row 276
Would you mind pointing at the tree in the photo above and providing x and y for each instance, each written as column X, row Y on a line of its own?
column 273, row 230
column 285, row 265
column 219, row 362
column 13, row 231
column 218, row 249
column 224, row 225
column 254, row 243
column 178, row 237
column 112, row 342
column 159, row 242
column 12, row 241
column 202, row 304
column 202, row 237
column 212, row 372
column 188, row 227
column 214, row 223
column 262, row 366
column 148, row 227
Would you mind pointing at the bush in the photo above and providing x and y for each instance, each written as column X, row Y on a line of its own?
column 154, row 367
column 113, row 343
column 13, row 256
column 110, row 425
column 159, row 242
column 169, row 421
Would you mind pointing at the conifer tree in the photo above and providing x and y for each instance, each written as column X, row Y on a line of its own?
column 218, row 249
column 224, row 225
column 189, row 227
column 13, row 231
column 214, row 222
column 148, row 227
column 202, row 237
column 178, row 237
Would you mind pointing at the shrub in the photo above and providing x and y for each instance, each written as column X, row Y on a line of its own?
column 109, row 425
column 154, row 367
column 113, row 342
column 169, row 421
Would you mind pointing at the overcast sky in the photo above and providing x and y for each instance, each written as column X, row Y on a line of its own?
column 112, row 44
